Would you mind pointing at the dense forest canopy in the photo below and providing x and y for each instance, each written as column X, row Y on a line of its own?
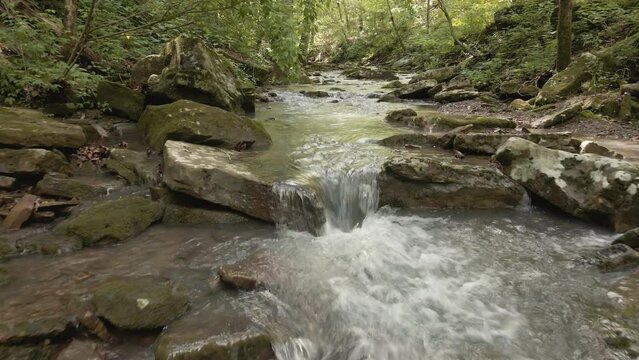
column 47, row 43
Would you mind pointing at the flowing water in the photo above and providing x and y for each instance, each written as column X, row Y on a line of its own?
column 375, row 284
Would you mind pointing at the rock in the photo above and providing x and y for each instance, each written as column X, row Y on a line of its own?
column 221, row 330
column 27, row 352
column 61, row 185
column 434, row 119
column 629, row 108
column 592, row 187
column 147, row 66
column 188, row 121
column 196, row 72
column 135, row 167
column 448, row 96
column 419, row 90
column 225, row 179
column 568, row 81
column 458, row 82
column 558, row 117
column 32, row 323
column 395, row 84
column 632, row 89
column 521, row 105
column 590, row 147
column 32, row 161
column 139, row 304
column 20, row 213
column 248, row 273
column 7, row 250
column 603, row 103
column 83, row 350
column 487, row 144
column 121, row 100
column 616, row 257
column 629, row 238
column 438, row 74
column 7, row 182
column 370, row 74
column 419, row 140
column 60, row 109
column 111, row 221
column 414, row 181
column 48, row 244
column 180, row 214
column 30, row 128
column 315, row 94
column 515, row 89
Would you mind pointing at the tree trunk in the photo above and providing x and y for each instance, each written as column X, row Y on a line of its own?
column 341, row 20
column 399, row 38
column 442, row 6
column 428, row 10
column 564, row 34
column 70, row 14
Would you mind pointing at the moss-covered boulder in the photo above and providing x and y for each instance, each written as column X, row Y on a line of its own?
column 121, row 100
column 592, row 187
column 61, row 185
column 414, row 181
column 487, row 144
column 449, row 96
column 222, row 330
column 139, row 304
column 32, row 161
column 419, row 90
column 515, row 89
column 147, row 66
column 136, row 167
column 438, row 120
column 196, row 123
column 31, row 128
column 198, row 73
column 568, row 81
column 112, row 221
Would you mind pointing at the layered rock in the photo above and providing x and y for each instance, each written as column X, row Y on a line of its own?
column 419, row 90
column 592, row 187
column 416, row 181
column 111, row 221
column 32, row 161
column 487, row 144
column 121, row 100
column 224, row 178
column 134, row 166
column 198, row 73
column 562, row 115
column 456, row 95
column 61, row 185
column 31, row 129
column 196, row 123
column 434, row 119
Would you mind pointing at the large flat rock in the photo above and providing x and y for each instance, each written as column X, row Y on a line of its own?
column 222, row 177
column 589, row 186
column 413, row 181
column 32, row 161
column 31, row 128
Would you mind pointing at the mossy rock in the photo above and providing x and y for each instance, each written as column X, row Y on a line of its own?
column 31, row 128
column 112, row 221
column 136, row 167
column 147, row 66
column 139, row 304
column 479, row 122
column 196, row 123
column 61, row 185
column 32, row 161
column 568, row 81
column 121, row 100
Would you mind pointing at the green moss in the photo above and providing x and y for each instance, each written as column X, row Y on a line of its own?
column 453, row 121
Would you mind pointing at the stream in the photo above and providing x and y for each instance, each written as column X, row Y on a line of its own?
column 377, row 284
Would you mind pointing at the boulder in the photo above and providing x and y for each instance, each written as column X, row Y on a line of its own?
column 487, row 144
column 449, row 96
column 196, row 123
column 83, row 350
column 30, row 128
column 629, row 238
column 180, row 214
column 136, row 167
column 196, row 72
column 32, row 161
column 438, row 74
column 414, row 181
column 566, row 113
column 438, row 120
column 458, row 82
column 520, row 105
column 248, row 273
column 138, row 304
column 222, row 330
column 7, row 182
column 226, row 179
column 568, row 81
column 61, row 185
column 111, row 221
column 591, row 147
column 121, row 100
column 419, row 90
column 370, row 74
column 592, row 187
column 616, row 257
column 315, row 94
column 145, row 67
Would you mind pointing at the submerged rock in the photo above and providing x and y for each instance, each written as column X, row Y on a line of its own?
column 415, row 181
column 592, row 187
column 62, row 185
column 220, row 330
column 32, row 161
column 31, row 128
column 139, row 304
column 224, row 178
column 188, row 121
column 136, row 167
column 112, row 221
column 248, row 273
column 196, row 72
column 121, row 100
